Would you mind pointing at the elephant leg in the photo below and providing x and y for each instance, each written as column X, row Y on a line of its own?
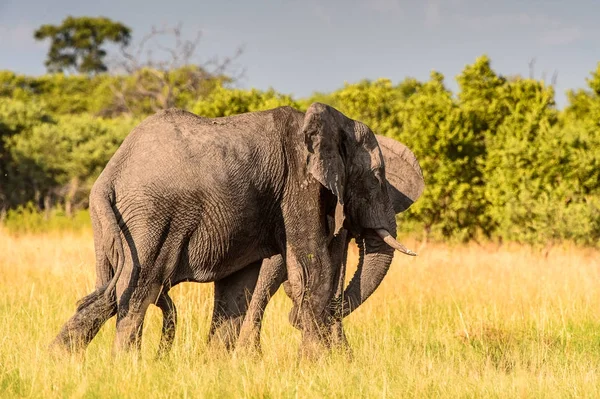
column 311, row 281
column 271, row 276
column 232, row 295
column 169, row 311
column 82, row 327
column 293, row 315
column 339, row 254
column 132, row 303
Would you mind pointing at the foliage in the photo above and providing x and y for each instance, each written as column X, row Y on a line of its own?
column 77, row 43
column 41, row 154
column 148, row 90
column 61, row 94
column 176, row 77
column 226, row 102
column 445, row 138
column 17, row 117
column 26, row 219
column 499, row 160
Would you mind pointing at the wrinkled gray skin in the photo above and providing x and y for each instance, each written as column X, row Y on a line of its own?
column 187, row 198
column 237, row 316
column 405, row 184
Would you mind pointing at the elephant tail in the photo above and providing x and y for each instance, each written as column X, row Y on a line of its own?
column 113, row 246
column 113, row 250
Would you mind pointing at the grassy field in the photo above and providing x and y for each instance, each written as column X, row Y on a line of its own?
column 456, row 321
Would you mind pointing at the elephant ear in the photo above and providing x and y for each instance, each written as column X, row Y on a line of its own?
column 324, row 131
column 403, row 173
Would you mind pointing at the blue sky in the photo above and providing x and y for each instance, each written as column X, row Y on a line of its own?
column 299, row 47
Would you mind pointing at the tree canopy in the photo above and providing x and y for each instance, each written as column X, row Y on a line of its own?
column 499, row 160
column 78, row 43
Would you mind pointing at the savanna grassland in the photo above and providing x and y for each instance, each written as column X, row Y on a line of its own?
column 456, row 321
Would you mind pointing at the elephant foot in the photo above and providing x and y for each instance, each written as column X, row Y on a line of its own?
column 81, row 328
column 224, row 336
column 68, row 341
column 67, row 345
column 75, row 335
column 338, row 337
column 343, row 349
column 166, row 343
column 163, row 350
column 248, row 343
column 167, row 306
column 313, row 348
column 248, row 350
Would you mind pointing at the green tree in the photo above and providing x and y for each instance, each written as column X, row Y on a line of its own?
column 450, row 148
column 77, row 43
column 519, row 171
column 19, row 182
column 65, row 157
column 61, row 94
column 225, row 102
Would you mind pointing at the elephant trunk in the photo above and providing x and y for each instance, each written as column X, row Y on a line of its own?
column 375, row 257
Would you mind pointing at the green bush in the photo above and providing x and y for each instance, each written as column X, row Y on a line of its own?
column 499, row 160
column 226, row 102
column 28, row 219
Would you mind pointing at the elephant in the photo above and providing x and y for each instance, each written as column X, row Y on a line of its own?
column 188, row 198
column 237, row 318
column 405, row 184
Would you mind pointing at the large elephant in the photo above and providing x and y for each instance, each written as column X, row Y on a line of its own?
column 235, row 315
column 199, row 199
column 405, row 184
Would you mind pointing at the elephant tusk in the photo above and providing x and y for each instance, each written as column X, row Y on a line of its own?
column 389, row 240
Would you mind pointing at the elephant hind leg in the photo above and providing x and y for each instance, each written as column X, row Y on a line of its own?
column 93, row 311
column 169, row 311
column 232, row 295
column 272, row 274
column 132, row 305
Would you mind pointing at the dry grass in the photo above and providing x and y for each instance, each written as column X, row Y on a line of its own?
column 457, row 321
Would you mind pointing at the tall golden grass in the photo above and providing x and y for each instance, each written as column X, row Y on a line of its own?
column 456, row 321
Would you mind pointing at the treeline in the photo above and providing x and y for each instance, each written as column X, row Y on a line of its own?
column 500, row 161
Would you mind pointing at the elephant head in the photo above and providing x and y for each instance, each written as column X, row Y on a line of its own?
column 345, row 157
column 405, row 184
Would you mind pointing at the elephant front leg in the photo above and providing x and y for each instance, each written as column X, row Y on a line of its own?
column 339, row 255
column 311, row 279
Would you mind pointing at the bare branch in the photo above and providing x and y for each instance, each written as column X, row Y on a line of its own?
column 161, row 73
column 554, row 78
column 532, row 68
